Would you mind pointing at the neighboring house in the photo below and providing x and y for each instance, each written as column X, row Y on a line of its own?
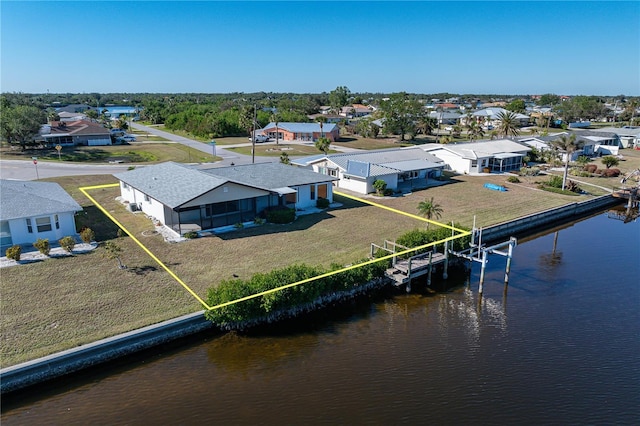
column 71, row 116
column 593, row 143
column 445, row 117
column 32, row 210
column 629, row 135
column 492, row 116
column 500, row 155
column 330, row 118
column 355, row 111
column 73, row 133
column 400, row 168
column 74, row 108
column 186, row 198
column 310, row 132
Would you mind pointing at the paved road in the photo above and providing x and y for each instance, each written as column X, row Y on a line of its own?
column 26, row 170
column 228, row 157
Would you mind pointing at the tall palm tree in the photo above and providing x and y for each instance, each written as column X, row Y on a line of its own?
column 430, row 209
column 321, row 120
column 425, row 125
column 508, row 124
column 568, row 145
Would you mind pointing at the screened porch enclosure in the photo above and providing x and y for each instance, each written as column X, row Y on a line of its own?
column 216, row 215
column 506, row 162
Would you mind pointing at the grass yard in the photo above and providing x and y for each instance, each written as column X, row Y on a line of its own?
column 292, row 150
column 134, row 153
column 358, row 142
column 60, row 303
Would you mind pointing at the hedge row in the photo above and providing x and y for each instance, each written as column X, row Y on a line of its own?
column 420, row 237
column 286, row 299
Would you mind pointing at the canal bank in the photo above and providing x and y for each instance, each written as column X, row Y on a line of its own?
column 57, row 365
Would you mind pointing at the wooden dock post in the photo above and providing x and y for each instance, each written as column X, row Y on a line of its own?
column 430, row 267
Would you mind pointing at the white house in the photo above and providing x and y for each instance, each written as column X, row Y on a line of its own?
column 187, row 198
column 492, row 116
column 629, row 135
column 593, row 143
column 500, row 155
column 32, row 210
column 400, row 168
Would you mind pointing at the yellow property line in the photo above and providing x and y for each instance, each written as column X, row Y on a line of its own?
column 461, row 233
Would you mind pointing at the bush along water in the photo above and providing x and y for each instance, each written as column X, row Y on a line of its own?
column 291, row 301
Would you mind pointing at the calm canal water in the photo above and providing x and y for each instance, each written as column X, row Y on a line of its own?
column 562, row 346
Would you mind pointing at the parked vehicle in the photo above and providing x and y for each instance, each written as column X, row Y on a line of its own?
column 261, row 138
column 129, row 138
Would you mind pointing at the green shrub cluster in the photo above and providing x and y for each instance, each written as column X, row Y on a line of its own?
column 43, row 246
column 557, row 190
column 283, row 215
column 554, row 182
column 190, row 235
column 322, row 203
column 513, row 179
column 14, row 253
column 291, row 297
column 87, row 235
column 420, row 237
column 67, row 243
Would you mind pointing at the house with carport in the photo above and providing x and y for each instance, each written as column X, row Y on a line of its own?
column 400, row 168
column 73, row 133
column 190, row 198
column 493, row 156
column 35, row 210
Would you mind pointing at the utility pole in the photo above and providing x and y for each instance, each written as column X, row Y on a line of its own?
column 253, row 136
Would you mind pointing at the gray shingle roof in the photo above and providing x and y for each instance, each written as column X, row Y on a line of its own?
column 175, row 184
column 20, row 199
column 302, row 127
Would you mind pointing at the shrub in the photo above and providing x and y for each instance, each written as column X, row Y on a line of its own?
column 610, row 173
column 14, row 253
column 322, row 203
column 554, row 182
column 259, row 221
column 379, row 185
column 87, row 235
column 609, row 160
column 43, row 246
column 529, row 171
column 388, row 192
column 238, row 225
column 557, row 190
column 282, row 215
column 591, row 168
column 513, row 179
column 67, row 243
column 190, row 235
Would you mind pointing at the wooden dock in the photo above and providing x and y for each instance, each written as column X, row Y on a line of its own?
column 406, row 269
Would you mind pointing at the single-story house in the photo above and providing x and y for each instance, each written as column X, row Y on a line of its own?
column 187, row 198
column 629, row 135
column 500, row 155
column 492, row 116
column 302, row 131
column 355, row 111
column 593, row 143
column 445, row 117
column 400, row 168
column 73, row 133
column 32, row 210
column 330, row 118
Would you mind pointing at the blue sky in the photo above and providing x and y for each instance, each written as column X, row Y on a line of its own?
column 589, row 48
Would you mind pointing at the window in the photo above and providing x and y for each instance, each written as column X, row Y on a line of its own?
column 474, row 163
column 29, row 227
column 313, row 191
column 333, row 172
column 57, row 220
column 43, row 224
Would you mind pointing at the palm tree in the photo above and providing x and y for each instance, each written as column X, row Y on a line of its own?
column 508, row 124
column 321, row 120
column 568, row 145
column 474, row 130
column 430, row 209
column 425, row 125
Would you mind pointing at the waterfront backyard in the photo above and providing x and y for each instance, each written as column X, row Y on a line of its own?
column 61, row 303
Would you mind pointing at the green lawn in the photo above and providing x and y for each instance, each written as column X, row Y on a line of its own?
column 135, row 152
column 85, row 297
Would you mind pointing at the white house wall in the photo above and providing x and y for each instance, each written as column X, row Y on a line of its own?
column 228, row 192
column 455, row 162
column 20, row 233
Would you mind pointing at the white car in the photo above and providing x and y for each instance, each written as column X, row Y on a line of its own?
column 129, row 138
column 261, row 138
